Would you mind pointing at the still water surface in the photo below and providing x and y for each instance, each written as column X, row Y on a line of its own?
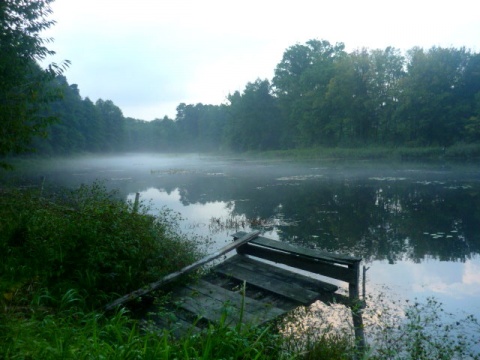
column 417, row 226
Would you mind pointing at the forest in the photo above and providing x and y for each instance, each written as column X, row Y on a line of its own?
column 320, row 96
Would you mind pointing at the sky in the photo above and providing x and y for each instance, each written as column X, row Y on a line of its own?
column 148, row 56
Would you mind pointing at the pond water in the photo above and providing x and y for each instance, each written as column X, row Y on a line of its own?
column 417, row 226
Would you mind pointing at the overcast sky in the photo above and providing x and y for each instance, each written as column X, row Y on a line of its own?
column 148, row 56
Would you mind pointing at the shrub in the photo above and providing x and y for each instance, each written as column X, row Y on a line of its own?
column 88, row 240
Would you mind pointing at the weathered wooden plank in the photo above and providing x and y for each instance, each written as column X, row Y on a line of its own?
column 334, row 258
column 307, row 264
column 312, row 253
column 253, row 292
column 250, row 305
column 281, row 274
column 173, row 276
column 214, row 309
column 262, row 278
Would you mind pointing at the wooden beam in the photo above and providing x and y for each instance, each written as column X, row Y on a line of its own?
column 187, row 269
column 298, row 250
column 308, row 264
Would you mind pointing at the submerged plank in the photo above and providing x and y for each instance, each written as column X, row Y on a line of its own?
column 311, row 265
column 276, row 272
column 296, row 287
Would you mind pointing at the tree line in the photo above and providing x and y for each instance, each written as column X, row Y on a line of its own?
column 320, row 95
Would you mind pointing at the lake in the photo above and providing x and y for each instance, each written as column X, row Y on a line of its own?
column 417, row 226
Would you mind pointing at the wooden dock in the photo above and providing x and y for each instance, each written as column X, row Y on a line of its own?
column 264, row 280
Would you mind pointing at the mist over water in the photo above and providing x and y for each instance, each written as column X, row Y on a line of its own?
column 417, row 226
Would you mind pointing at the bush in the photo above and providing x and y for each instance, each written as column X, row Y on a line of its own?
column 88, row 240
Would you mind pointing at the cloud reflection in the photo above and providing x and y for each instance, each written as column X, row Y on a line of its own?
column 195, row 216
column 453, row 283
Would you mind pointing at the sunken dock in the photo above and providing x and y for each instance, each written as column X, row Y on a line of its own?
column 264, row 280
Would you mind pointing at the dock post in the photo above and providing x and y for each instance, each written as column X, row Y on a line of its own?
column 363, row 282
column 356, row 308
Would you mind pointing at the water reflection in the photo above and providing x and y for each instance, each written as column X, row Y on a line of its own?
column 456, row 284
column 379, row 218
column 416, row 225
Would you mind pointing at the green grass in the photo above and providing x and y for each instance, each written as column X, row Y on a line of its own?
column 456, row 152
column 70, row 333
column 73, row 334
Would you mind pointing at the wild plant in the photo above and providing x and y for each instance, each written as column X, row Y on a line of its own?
column 86, row 239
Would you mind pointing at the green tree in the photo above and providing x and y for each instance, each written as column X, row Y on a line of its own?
column 387, row 72
column 338, row 103
column 79, row 126
column 360, row 99
column 254, row 115
column 200, row 126
column 187, row 120
column 68, row 133
column 432, row 104
column 300, row 82
column 362, row 96
column 24, row 89
column 472, row 125
column 112, row 125
column 212, row 127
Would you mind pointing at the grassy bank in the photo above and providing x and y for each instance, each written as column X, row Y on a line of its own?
column 458, row 152
column 65, row 255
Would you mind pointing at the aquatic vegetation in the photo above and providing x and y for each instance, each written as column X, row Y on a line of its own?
column 300, row 177
column 388, row 178
column 171, row 171
column 240, row 222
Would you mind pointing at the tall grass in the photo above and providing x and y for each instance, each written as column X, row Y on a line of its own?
column 68, row 331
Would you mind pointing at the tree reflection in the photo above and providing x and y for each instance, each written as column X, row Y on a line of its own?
column 378, row 220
